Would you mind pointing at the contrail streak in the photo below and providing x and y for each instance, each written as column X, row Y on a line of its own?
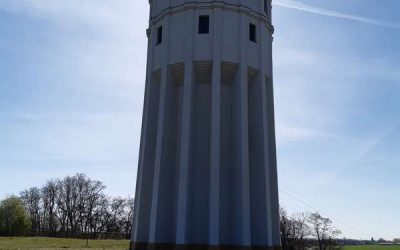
column 303, row 7
column 377, row 140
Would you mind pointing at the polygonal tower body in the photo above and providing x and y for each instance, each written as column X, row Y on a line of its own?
column 207, row 174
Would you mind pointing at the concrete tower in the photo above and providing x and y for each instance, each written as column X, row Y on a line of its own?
column 207, row 173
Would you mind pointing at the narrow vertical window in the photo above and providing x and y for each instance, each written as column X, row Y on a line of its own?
column 159, row 35
column 204, row 24
column 252, row 33
column 266, row 6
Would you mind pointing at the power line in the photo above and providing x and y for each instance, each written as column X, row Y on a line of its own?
column 343, row 221
column 325, row 212
column 315, row 204
column 297, row 207
column 338, row 221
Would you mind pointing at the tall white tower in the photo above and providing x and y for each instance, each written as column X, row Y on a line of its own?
column 207, row 174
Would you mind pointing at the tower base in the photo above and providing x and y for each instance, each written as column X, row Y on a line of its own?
column 161, row 246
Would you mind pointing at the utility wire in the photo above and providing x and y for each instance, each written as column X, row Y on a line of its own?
column 301, row 207
column 304, row 198
column 325, row 212
column 342, row 224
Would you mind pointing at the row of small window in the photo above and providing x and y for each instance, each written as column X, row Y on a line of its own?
column 204, row 28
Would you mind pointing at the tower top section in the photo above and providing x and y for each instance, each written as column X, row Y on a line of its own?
column 260, row 7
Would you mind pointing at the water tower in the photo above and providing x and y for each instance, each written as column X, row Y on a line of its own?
column 207, row 175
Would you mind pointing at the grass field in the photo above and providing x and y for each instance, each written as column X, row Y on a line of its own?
column 372, row 247
column 73, row 244
column 53, row 243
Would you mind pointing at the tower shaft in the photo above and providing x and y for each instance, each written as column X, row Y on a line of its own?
column 207, row 175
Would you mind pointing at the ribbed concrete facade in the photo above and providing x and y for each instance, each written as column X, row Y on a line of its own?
column 207, row 174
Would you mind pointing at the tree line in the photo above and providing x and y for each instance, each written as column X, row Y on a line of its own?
column 74, row 206
column 307, row 230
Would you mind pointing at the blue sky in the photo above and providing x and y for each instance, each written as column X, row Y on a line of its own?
column 71, row 95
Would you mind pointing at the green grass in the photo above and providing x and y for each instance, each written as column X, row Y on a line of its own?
column 375, row 247
column 55, row 243
column 74, row 244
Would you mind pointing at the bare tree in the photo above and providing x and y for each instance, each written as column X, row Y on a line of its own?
column 32, row 200
column 323, row 230
column 285, row 226
column 127, row 222
column 294, row 230
column 49, row 195
column 76, row 206
column 61, row 207
column 300, row 230
column 93, row 199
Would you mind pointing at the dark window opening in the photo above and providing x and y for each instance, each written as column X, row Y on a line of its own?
column 204, row 24
column 266, row 6
column 252, row 33
column 159, row 35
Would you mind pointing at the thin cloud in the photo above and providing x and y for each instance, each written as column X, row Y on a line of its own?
column 307, row 8
column 289, row 134
column 368, row 147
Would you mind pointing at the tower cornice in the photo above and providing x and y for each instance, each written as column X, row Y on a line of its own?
column 211, row 6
